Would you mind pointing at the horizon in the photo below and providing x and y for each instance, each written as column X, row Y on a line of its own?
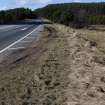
column 34, row 4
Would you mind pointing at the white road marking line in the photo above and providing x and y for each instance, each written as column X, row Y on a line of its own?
column 18, row 40
column 16, row 48
column 25, row 41
column 24, row 29
column 10, row 26
column 3, row 27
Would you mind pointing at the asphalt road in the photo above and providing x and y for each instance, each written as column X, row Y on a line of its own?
column 12, row 32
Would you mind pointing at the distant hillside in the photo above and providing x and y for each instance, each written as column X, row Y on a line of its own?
column 91, row 13
column 15, row 14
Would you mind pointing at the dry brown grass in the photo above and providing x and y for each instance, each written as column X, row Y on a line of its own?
column 87, row 66
column 94, row 35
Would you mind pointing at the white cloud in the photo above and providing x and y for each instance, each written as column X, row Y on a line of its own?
column 21, row 2
column 30, row 3
column 6, row 4
column 3, row 7
column 66, row 1
column 26, row 2
column 76, row 1
column 42, row 1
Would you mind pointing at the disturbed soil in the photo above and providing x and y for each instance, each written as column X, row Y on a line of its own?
column 64, row 67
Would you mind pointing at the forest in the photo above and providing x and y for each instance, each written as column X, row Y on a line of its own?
column 67, row 13
column 16, row 14
column 74, row 13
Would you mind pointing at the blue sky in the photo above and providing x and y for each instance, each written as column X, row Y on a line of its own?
column 33, row 4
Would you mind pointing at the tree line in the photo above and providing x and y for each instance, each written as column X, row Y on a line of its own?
column 71, row 13
column 16, row 14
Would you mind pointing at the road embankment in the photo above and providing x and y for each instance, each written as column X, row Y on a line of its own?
column 36, row 75
column 64, row 67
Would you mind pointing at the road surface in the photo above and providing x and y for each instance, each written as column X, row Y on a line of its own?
column 9, row 34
